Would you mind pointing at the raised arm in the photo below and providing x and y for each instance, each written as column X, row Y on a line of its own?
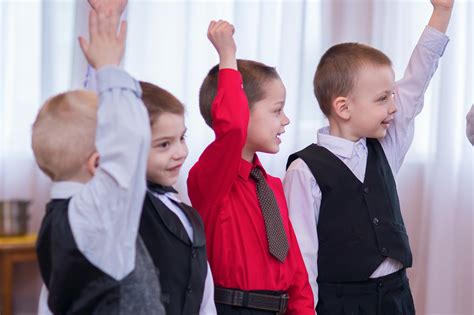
column 212, row 177
column 104, row 216
column 221, row 34
column 410, row 90
column 441, row 15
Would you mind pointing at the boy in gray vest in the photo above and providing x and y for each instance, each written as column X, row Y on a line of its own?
column 90, row 257
column 341, row 192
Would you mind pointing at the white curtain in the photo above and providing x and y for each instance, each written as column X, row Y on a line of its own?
column 167, row 45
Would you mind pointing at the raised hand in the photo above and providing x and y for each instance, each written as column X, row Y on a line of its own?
column 441, row 14
column 108, row 7
column 221, row 35
column 106, row 47
column 443, row 4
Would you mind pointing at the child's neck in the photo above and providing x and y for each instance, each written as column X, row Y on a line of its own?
column 342, row 130
column 78, row 178
column 248, row 154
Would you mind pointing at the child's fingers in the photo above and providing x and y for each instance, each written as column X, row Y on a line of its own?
column 93, row 3
column 93, row 25
column 111, row 24
column 223, row 27
column 102, row 23
column 123, row 32
column 211, row 26
column 83, row 44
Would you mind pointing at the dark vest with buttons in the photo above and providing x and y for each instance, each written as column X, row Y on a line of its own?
column 77, row 287
column 360, row 224
column 182, row 263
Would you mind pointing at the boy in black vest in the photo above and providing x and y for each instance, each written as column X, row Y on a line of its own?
column 90, row 258
column 341, row 191
column 172, row 231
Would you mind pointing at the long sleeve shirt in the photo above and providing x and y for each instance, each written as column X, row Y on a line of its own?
column 104, row 213
column 225, row 196
column 301, row 189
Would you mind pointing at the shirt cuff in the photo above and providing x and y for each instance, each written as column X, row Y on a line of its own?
column 434, row 40
column 229, row 78
column 111, row 77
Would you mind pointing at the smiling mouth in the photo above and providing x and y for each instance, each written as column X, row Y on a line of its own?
column 386, row 123
column 176, row 168
column 278, row 136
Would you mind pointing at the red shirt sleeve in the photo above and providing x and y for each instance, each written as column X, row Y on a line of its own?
column 213, row 175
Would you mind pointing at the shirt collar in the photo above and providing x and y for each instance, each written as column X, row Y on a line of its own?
column 64, row 190
column 339, row 146
column 245, row 167
column 169, row 195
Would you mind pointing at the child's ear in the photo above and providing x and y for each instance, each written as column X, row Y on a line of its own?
column 93, row 163
column 340, row 108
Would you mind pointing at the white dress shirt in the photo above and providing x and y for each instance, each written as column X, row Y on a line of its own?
column 104, row 213
column 301, row 189
column 208, row 306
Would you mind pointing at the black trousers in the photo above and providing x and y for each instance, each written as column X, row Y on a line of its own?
column 388, row 295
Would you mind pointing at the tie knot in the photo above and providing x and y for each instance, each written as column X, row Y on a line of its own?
column 256, row 174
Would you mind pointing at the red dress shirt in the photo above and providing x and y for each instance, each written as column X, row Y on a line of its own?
column 221, row 190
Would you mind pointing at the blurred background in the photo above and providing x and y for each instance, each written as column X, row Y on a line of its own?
column 167, row 45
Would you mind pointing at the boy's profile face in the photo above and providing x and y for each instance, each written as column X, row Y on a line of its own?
column 168, row 149
column 267, row 119
column 371, row 104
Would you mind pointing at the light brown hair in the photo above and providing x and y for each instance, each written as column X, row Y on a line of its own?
column 337, row 71
column 254, row 76
column 158, row 101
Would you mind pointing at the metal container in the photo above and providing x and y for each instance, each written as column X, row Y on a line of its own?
column 13, row 217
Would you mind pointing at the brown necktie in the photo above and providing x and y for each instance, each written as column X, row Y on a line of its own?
column 276, row 236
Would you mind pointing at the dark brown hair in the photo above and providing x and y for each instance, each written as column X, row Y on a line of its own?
column 254, row 76
column 338, row 68
column 158, row 101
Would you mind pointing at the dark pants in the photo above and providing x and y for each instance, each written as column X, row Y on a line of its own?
column 388, row 295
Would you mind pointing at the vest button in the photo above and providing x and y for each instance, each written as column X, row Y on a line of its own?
column 190, row 290
column 375, row 221
column 193, row 254
column 366, row 190
column 384, row 250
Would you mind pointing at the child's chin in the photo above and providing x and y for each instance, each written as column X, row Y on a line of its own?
column 270, row 150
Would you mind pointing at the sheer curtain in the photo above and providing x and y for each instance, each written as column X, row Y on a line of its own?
column 167, row 45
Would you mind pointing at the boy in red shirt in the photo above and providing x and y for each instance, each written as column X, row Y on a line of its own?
column 252, row 249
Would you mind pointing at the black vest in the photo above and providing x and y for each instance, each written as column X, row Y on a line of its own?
column 360, row 224
column 182, row 263
column 77, row 287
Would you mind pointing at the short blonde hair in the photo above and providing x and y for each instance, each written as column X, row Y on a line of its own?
column 63, row 136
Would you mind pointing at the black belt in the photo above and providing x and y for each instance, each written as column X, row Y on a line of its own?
column 260, row 301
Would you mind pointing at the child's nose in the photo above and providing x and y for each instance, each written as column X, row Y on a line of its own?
column 286, row 120
column 393, row 107
column 181, row 151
